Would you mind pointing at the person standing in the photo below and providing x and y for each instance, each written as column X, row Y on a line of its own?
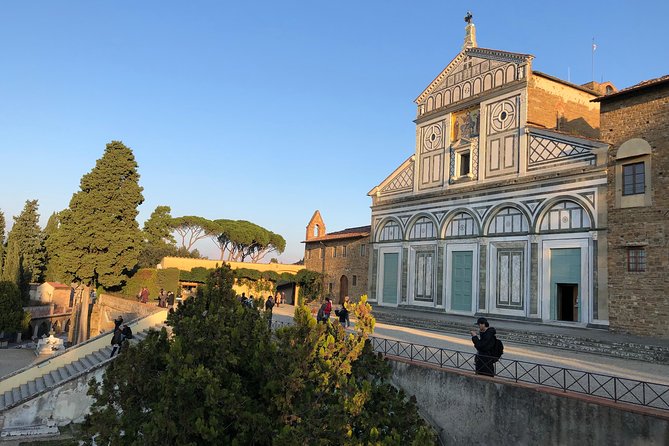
column 347, row 306
column 328, row 308
column 116, row 340
column 484, row 342
column 145, row 295
column 269, row 304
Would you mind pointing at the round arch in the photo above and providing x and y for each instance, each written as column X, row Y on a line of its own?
column 493, row 213
column 414, row 219
column 455, row 213
column 552, row 202
column 383, row 223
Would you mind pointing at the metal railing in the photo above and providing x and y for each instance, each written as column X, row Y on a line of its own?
column 613, row 388
column 623, row 390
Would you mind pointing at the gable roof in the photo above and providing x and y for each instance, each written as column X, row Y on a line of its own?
column 484, row 53
column 357, row 232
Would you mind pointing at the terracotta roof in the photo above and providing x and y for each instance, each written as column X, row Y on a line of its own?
column 360, row 231
column 58, row 285
column 639, row 86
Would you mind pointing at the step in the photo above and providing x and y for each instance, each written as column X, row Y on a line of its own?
column 7, row 398
column 71, row 369
column 48, row 380
column 16, row 394
column 40, row 384
column 64, row 374
column 78, row 366
column 87, row 362
column 32, row 387
column 99, row 356
column 2, row 401
column 55, row 376
column 24, row 390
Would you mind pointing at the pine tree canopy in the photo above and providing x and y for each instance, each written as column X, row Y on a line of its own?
column 99, row 239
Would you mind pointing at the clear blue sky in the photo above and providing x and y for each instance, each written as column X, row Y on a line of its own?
column 266, row 110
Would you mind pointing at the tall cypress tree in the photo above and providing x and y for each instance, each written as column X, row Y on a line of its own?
column 25, row 249
column 98, row 240
column 52, row 271
column 2, row 241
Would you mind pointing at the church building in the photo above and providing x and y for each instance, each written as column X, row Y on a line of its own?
column 501, row 208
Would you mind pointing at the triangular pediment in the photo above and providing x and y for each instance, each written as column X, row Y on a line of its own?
column 401, row 180
column 469, row 63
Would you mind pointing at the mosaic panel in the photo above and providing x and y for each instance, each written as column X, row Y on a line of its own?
column 402, row 182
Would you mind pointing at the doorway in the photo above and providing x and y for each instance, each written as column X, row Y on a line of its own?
column 567, row 302
column 343, row 288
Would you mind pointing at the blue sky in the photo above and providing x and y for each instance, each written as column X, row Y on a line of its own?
column 265, row 110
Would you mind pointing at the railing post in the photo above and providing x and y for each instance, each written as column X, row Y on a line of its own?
column 516, row 370
column 564, row 380
column 615, row 389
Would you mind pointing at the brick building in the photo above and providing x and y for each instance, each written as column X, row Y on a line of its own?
column 635, row 121
column 341, row 256
column 501, row 207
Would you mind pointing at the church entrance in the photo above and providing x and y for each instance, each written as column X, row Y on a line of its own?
column 567, row 302
column 343, row 288
column 565, row 273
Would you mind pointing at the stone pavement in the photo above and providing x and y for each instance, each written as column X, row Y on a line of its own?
column 594, row 350
column 12, row 359
column 588, row 340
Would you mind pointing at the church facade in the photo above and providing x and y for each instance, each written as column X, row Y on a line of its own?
column 501, row 208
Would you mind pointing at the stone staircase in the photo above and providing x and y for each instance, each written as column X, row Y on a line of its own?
column 67, row 372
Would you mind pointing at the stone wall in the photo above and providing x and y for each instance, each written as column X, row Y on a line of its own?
column 470, row 410
column 354, row 264
column 639, row 301
column 108, row 307
column 554, row 105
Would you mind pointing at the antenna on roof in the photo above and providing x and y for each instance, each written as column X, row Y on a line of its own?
column 594, row 47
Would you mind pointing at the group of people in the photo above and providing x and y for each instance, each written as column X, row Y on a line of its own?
column 165, row 299
column 342, row 313
column 122, row 332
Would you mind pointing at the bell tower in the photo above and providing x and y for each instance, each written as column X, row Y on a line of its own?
column 316, row 227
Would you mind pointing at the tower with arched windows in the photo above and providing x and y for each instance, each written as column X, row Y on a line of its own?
column 501, row 208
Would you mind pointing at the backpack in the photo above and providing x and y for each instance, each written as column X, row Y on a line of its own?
column 497, row 349
column 321, row 314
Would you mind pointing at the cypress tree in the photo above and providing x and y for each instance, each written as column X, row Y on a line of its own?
column 2, row 241
column 25, row 249
column 52, row 271
column 98, row 240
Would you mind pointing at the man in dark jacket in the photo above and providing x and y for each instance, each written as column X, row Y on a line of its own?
column 484, row 342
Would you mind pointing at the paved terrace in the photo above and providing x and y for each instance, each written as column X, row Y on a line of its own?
column 589, row 350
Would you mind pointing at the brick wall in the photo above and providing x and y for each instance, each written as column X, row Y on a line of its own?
column 639, row 301
column 554, row 105
column 353, row 264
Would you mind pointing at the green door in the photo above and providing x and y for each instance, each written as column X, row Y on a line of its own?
column 461, row 281
column 566, row 278
column 390, row 263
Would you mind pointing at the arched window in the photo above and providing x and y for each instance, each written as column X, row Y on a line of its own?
column 508, row 221
column 565, row 215
column 422, row 228
column 317, row 230
column 390, row 232
column 462, row 225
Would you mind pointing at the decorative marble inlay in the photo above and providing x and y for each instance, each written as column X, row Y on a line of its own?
column 433, row 137
column 403, row 180
column 503, row 116
column 590, row 196
column 565, row 215
column 543, row 150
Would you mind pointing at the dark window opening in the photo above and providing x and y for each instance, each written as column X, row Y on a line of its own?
column 634, row 179
column 464, row 164
column 567, row 302
column 636, row 260
column 355, row 280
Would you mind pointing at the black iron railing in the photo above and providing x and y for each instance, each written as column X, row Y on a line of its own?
column 613, row 388
column 622, row 390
